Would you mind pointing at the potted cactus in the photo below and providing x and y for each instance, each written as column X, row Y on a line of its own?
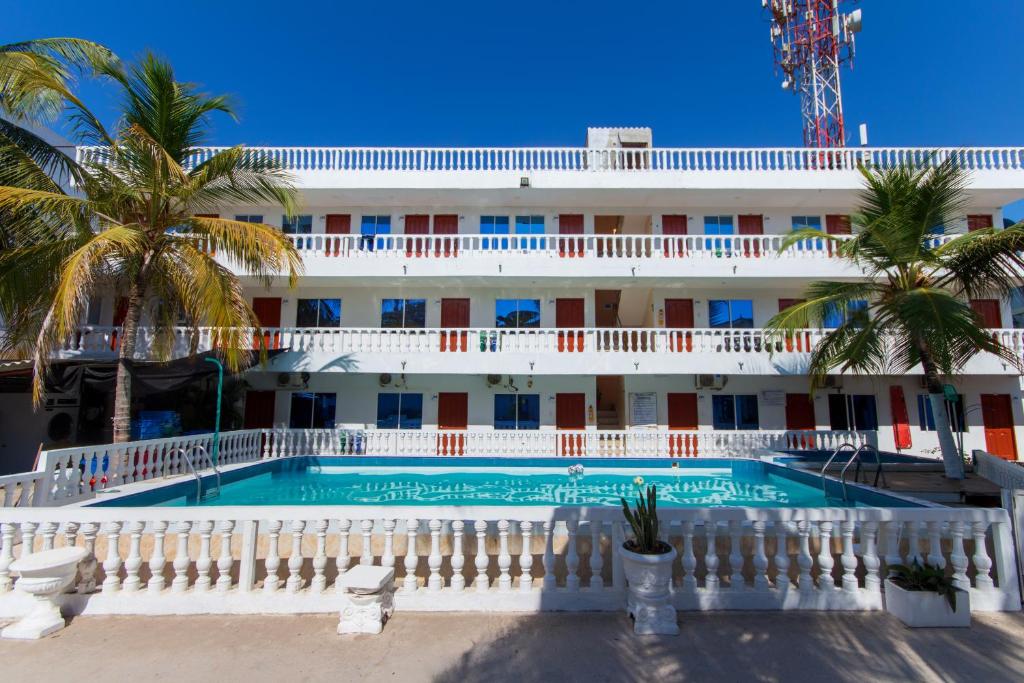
column 923, row 596
column 647, row 563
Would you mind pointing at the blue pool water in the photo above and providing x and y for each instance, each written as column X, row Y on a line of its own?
column 484, row 481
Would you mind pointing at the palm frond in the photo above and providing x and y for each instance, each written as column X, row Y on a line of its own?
column 983, row 263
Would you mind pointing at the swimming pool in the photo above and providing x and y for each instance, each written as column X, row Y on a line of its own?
column 398, row 481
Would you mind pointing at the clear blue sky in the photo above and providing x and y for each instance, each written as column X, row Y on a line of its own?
column 928, row 72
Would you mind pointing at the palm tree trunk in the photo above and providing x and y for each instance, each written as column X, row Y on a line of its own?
column 123, row 384
column 952, row 459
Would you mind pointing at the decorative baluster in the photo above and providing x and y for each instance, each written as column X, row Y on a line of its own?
column 111, row 581
column 6, row 556
column 133, row 562
column 48, row 530
column 689, row 559
column 913, row 542
column 935, row 556
column 549, row 558
column 736, row 581
column 825, row 560
column 458, row 556
column 387, row 559
column 782, row 530
column 803, row 558
column 982, row 562
column 958, row 558
column 157, row 559
column 205, row 560
column 295, row 582
column 319, row 583
column 869, row 545
column 412, row 526
column 526, row 558
column 848, row 559
column 760, row 560
column 504, row 557
column 596, row 559
column 28, row 538
column 892, row 545
column 572, row 558
column 225, row 562
column 434, row 559
column 273, row 560
column 87, row 567
column 711, row 557
column 343, row 559
column 366, row 526
column 482, row 582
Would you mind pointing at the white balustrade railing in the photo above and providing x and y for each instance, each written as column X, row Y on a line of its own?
column 288, row 559
column 591, row 246
column 582, row 159
column 1006, row 474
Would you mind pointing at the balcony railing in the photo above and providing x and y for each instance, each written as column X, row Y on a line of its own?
column 582, row 159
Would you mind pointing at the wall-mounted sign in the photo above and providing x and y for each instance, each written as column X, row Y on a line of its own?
column 643, row 410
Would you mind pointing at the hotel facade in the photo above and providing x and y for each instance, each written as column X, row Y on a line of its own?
column 602, row 300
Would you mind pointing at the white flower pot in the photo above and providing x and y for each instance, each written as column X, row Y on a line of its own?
column 648, row 599
column 923, row 609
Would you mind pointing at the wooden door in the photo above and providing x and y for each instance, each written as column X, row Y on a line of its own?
column 800, row 412
column 571, row 413
column 339, row 224
column 750, row 224
column 795, row 341
column 120, row 313
column 452, row 414
column 997, row 416
column 446, row 224
column 900, row 419
column 259, row 409
column 988, row 311
column 570, row 224
column 569, row 314
column 682, row 416
column 979, row 221
column 268, row 313
column 838, row 224
column 454, row 314
column 416, row 224
column 674, row 225
column 679, row 315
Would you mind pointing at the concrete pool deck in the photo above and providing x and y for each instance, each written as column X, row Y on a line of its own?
column 717, row 646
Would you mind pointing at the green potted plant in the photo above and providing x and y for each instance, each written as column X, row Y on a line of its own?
column 647, row 563
column 921, row 595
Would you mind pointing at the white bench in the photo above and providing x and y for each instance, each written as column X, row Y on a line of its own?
column 369, row 598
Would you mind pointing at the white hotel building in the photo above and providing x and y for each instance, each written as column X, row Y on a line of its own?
column 603, row 300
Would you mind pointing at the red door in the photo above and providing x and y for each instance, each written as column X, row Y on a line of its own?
column 259, row 409
column 682, row 416
column 979, row 221
column 751, row 224
column 679, row 315
column 674, row 225
column 997, row 415
column 570, row 224
column 337, row 224
column 446, row 224
column 800, row 413
column 988, row 311
column 900, row 419
column 571, row 413
column 795, row 341
column 120, row 313
column 569, row 314
column 452, row 414
column 837, row 224
column 417, row 224
column 268, row 313
column 454, row 314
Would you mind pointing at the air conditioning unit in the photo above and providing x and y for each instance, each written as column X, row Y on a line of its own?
column 384, row 379
column 60, row 401
column 493, row 380
column 832, row 382
column 292, row 380
column 711, row 381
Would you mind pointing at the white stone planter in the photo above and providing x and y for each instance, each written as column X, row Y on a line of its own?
column 923, row 609
column 648, row 599
column 44, row 575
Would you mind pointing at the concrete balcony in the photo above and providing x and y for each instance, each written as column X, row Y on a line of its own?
column 582, row 351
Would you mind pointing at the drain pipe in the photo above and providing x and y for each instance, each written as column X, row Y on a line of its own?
column 216, row 424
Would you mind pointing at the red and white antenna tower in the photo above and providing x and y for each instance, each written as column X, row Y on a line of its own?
column 811, row 39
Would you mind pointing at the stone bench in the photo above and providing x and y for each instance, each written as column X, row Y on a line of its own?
column 369, row 598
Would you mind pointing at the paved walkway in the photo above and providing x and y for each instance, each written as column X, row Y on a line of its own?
column 720, row 647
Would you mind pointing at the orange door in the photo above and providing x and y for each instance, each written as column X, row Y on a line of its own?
column 900, row 419
column 268, row 312
column 682, row 416
column 452, row 414
column 570, row 224
column 571, row 413
column 988, row 311
column 674, row 225
column 679, row 315
column 569, row 314
column 454, row 314
column 446, row 224
column 997, row 415
column 418, row 224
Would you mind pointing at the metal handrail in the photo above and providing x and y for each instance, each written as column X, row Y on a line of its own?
column 879, row 473
column 186, row 453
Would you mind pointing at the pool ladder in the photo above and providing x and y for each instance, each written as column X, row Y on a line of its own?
column 858, row 458
column 211, row 493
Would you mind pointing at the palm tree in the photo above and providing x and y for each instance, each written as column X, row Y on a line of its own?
column 916, row 290
column 130, row 225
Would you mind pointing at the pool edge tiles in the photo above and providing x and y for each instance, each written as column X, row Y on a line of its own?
column 737, row 472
